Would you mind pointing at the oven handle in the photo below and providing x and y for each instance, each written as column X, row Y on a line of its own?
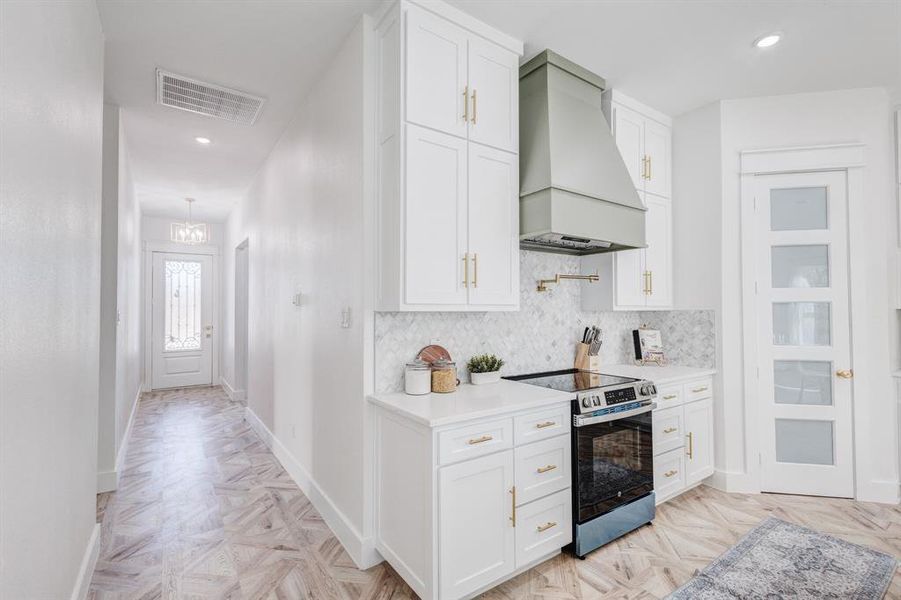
column 580, row 421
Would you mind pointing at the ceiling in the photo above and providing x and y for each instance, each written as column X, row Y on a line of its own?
column 674, row 55
column 270, row 48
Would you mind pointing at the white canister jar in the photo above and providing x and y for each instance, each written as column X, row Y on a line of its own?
column 418, row 378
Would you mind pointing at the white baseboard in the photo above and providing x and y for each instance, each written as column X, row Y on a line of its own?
column 734, row 482
column 884, row 492
column 88, row 562
column 233, row 394
column 107, row 481
column 361, row 550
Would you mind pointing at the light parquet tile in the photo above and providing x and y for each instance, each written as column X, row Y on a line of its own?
column 205, row 511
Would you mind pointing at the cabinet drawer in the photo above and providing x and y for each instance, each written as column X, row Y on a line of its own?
column 543, row 526
column 696, row 390
column 669, row 430
column 669, row 473
column 542, row 424
column 474, row 440
column 670, row 395
column 542, row 468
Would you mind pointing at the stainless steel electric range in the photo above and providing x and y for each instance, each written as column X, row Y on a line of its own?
column 613, row 456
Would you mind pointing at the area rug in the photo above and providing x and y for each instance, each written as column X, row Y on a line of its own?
column 780, row 560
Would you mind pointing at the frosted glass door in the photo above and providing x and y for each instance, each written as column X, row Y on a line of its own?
column 804, row 334
column 182, row 320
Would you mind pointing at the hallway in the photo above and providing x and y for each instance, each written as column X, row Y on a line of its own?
column 204, row 510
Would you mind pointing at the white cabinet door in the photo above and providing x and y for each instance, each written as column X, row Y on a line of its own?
column 435, row 217
column 657, row 145
column 476, row 533
column 494, row 95
column 436, row 72
column 630, row 279
column 698, row 440
column 493, row 226
column 628, row 129
column 658, row 254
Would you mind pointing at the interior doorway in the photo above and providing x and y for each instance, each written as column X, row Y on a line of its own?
column 242, row 289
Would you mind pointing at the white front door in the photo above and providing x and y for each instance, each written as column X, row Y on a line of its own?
column 182, row 320
column 804, row 348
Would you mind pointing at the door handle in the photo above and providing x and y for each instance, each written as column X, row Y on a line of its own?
column 513, row 516
column 466, row 104
column 845, row 373
column 546, row 469
column 475, row 269
column 691, row 448
column 474, row 107
column 466, row 270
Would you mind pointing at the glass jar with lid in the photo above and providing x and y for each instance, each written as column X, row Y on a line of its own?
column 418, row 377
column 444, row 376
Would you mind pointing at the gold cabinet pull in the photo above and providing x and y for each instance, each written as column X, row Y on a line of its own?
column 644, row 166
column 669, row 430
column 466, row 270
column 513, row 515
column 690, row 445
column 649, row 169
column 546, row 526
column 545, row 424
column 703, row 388
column 670, row 473
column 547, row 468
column 647, row 283
column 845, row 373
column 650, row 283
column 466, row 104
column 670, row 397
column 475, row 270
column 480, row 440
column 474, row 107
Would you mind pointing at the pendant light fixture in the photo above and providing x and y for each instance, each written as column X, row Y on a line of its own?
column 190, row 232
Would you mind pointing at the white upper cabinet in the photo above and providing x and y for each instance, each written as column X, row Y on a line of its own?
column 436, row 217
column 494, row 95
column 639, row 279
column 493, row 226
column 436, row 73
column 447, row 222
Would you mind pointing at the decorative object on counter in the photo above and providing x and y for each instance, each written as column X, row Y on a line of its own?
column 432, row 353
column 444, row 376
column 587, row 358
column 543, row 283
column 484, row 368
column 648, row 346
column 418, row 378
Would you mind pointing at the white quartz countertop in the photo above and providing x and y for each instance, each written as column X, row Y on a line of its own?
column 658, row 375
column 469, row 402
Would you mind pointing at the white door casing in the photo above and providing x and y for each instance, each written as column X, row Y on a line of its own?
column 803, row 333
column 182, row 295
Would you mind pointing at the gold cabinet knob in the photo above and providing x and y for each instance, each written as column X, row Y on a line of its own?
column 845, row 373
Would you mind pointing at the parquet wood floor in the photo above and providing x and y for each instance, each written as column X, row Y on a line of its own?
column 205, row 511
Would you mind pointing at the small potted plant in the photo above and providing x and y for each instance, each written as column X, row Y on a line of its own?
column 484, row 368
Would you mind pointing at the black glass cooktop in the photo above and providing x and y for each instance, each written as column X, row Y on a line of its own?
column 571, row 380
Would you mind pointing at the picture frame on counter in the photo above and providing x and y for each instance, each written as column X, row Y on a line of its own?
column 648, row 346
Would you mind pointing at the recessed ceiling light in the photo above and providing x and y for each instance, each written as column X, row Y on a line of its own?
column 202, row 140
column 770, row 39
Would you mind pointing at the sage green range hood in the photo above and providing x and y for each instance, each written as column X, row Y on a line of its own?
column 576, row 195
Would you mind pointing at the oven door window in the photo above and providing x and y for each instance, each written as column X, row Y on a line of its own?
column 615, row 464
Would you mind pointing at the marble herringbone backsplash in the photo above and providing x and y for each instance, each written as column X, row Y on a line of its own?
column 541, row 336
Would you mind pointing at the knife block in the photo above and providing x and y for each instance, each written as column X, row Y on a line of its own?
column 584, row 361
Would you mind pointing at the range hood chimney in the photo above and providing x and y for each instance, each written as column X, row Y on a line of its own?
column 576, row 195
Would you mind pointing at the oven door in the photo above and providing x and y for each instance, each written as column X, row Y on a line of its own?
column 615, row 464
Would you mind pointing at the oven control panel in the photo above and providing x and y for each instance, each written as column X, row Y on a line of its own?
column 601, row 398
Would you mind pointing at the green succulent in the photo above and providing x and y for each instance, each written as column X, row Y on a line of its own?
column 484, row 363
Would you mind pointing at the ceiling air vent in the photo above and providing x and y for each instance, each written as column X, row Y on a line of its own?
column 208, row 99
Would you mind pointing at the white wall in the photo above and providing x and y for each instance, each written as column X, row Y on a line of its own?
column 303, row 217
column 801, row 120
column 51, row 65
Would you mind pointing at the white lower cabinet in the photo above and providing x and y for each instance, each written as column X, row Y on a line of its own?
column 476, row 532
column 683, row 437
column 461, row 508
